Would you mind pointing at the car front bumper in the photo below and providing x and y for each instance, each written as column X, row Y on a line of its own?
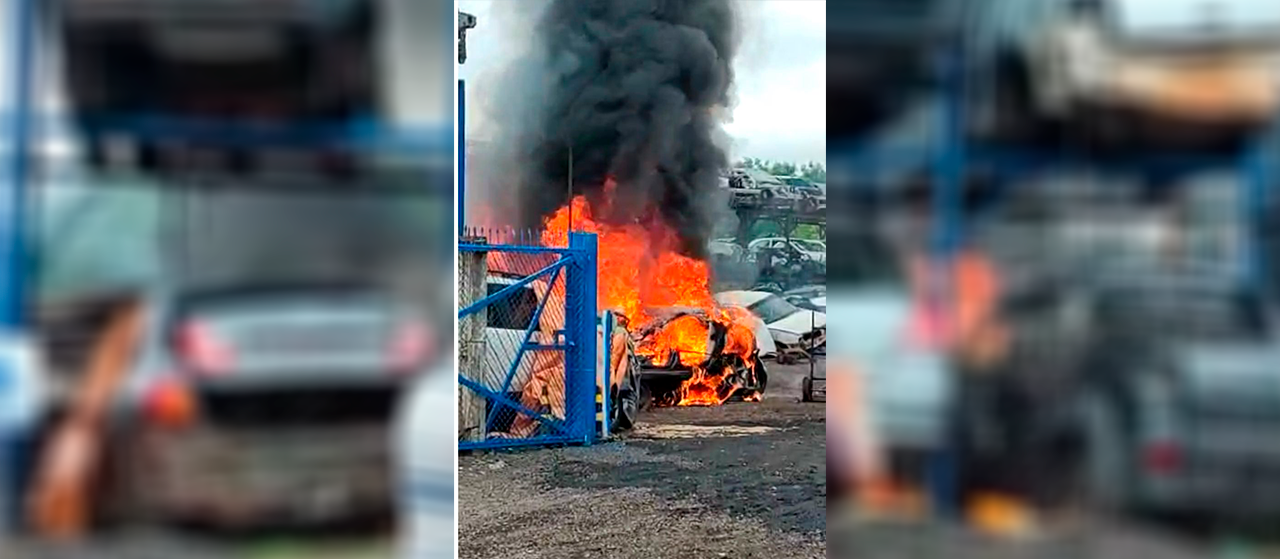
column 267, row 476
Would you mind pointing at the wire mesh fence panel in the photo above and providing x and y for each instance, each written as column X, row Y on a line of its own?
column 527, row 328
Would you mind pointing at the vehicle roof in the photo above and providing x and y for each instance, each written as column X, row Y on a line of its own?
column 762, row 177
column 743, row 298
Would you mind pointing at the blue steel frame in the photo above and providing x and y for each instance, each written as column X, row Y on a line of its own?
column 949, row 158
column 577, row 263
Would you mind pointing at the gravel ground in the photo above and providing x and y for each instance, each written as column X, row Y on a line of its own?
column 742, row 480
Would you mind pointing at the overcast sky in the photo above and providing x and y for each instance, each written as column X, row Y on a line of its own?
column 781, row 75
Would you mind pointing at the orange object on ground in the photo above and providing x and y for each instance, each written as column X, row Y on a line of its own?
column 1001, row 516
column 61, row 503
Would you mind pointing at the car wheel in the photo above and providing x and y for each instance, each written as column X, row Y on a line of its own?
column 627, row 405
column 806, row 389
column 1106, row 467
column 645, row 399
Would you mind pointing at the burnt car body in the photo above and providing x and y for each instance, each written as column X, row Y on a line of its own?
column 661, row 375
column 214, row 61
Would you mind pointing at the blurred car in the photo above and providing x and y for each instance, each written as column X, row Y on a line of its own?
column 793, row 330
column 1179, row 409
column 1169, row 72
column 270, row 349
column 881, row 54
column 815, row 251
column 427, row 444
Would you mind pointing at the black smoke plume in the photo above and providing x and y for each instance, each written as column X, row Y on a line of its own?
column 634, row 88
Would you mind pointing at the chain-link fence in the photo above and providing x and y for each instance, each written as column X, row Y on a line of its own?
column 527, row 339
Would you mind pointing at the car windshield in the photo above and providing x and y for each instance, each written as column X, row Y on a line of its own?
column 101, row 237
column 772, row 309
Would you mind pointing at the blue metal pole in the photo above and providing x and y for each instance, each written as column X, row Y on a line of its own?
column 20, row 134
column 462, row 156
column 580, row 363
column 606, row 427
column 948, row 180
column 13, row 456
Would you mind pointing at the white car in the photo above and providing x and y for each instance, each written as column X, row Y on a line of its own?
column 427, row 446
column 504, row 334
column 1213, row 65
column 791, row 328
column 813, row 250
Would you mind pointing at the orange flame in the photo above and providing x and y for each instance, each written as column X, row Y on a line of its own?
column 640, row 268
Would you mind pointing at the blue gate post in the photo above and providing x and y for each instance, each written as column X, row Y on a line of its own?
column 12, row 277
column 580, row 334
column 606, row 388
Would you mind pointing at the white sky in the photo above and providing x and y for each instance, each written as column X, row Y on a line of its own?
column 781, row 75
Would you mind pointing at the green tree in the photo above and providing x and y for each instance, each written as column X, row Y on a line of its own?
column 781, row 169
column 814, row 171
column 752, row 163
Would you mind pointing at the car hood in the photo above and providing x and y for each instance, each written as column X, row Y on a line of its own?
column 800, row 323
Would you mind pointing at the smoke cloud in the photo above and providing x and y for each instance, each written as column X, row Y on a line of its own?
column 634, row 89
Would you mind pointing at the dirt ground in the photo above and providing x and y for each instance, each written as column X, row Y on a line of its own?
column 743, row 480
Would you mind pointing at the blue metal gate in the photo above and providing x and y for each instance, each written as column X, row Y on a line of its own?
column 530, row 379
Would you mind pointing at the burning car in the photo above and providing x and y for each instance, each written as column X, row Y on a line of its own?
column 690, row 357
column 795, row 331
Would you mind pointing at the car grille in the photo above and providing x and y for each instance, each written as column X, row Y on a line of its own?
column 299, row 406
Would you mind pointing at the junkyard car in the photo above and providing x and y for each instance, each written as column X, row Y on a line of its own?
column 1175, row 71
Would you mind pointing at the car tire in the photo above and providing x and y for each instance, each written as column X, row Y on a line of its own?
column 1106, row 465
column 645, row 400
column 806, row 390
